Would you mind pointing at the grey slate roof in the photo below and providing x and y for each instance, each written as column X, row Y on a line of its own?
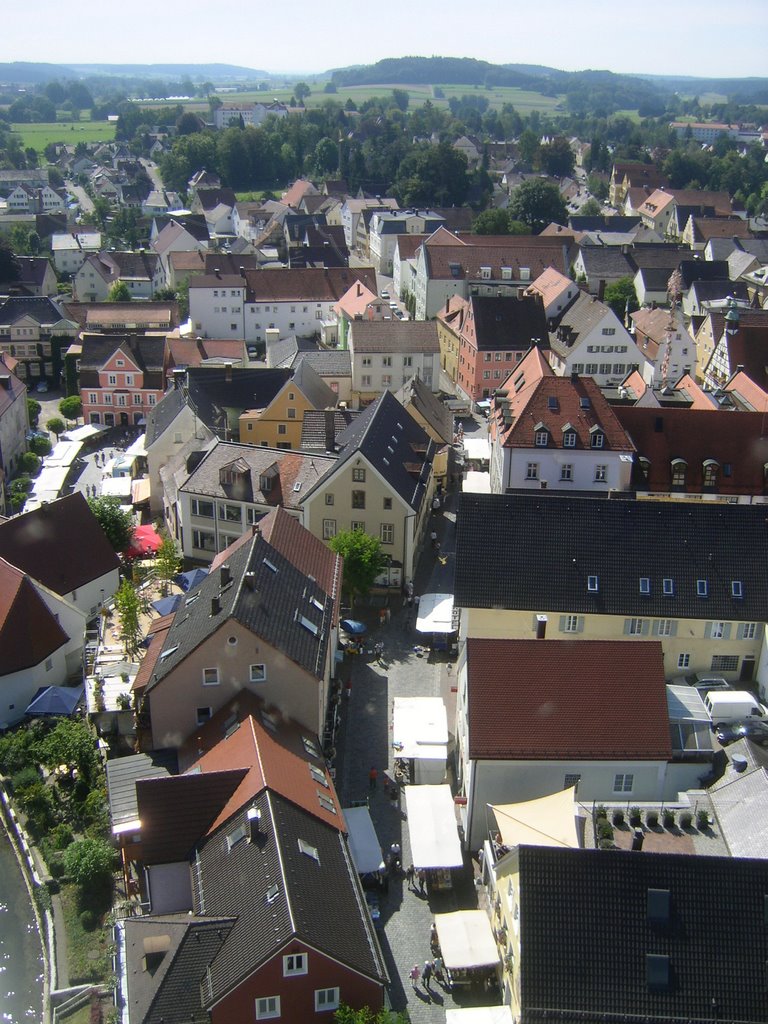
column 741, row 806
column 385, row 433
column 537, row 551
column 507, row 323
column 214, row 390
column 271, row 610
column 162, row 415
column 587, row 929
column 327, row 362
column 320, row 901
column 43, row 310
column 394, row 336
column 315, row 390
column 581, row 316
column 424, row 401
column 122, row 775
column 713, row 291
column 320, row 427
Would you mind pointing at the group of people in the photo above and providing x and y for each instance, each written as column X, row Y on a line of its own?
column 432, row 969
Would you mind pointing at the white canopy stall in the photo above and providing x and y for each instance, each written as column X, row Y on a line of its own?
column 438, row 618
column 363, row 841
column 480, row 1015
column 435, row 844
column 420, row 735
column 467, row 945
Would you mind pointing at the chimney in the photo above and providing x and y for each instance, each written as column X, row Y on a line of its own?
column 5, row 381
column 359, row 289
column 228, row 372
column 215, row 605
column 638, row 839
column 226, row 575
column 250, row 580
column 601, row 290
column 541, row 627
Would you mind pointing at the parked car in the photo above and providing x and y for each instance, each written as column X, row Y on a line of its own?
column 757, row 732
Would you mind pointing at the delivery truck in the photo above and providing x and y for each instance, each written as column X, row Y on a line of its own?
column 725, row 706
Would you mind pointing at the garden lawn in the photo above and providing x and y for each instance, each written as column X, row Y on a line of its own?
column 89, row 953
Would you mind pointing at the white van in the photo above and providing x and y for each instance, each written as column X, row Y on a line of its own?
column 725, row 706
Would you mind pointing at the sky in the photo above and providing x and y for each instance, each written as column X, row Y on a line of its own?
column 709, row 38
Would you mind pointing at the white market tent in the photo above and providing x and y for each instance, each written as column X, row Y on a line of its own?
column 466, row 940
column 480, row 1015
column 435, row 614
column 117, row 487
column 83, row 433
column 548, row 821
column 420, row 732
column 432, row 827
column 48, row 485
column 138, row 447
column 363, row 841
column 63, row 454
column 476, row 482
column 478, row 449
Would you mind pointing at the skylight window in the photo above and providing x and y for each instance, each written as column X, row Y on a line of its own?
column 169, row 652
column 668, row 587
column 271, row 566
column 191, row 600
column 310, row 746
column 236, row 837
column 737, row 588
column 309, row 851
column 297, row 485
column 318, row 604
column 272, row 893
column 318, row 775
column 702, row 588
column 326, row 803
column 645, row 585
column 308, row 624
column 592, row 584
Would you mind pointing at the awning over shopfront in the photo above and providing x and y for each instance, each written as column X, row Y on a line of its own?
column 549, row 821
column 432, row 827
column 466, row 940
column 363, row 841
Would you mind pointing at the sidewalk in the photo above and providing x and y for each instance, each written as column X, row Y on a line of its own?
column 365, row 740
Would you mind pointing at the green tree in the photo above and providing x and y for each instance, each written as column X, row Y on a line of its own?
column 29, row 463
column 301, row 91
column 537, row 203
column 432, row 176
column 346, row 1015
column 56, row 425
column 115, row 523
column 128, row 609
column 33, row 411
column 556, row 157
column 71, row 744
column 71, row 408
column 9, row 266
column 621, row 294
column 40, row 446
column 167, row 562
column 590, row 209
column 498, row 222
column 89, row 862
column 528, row 148
column 119, row 292
column 401, row 98
column 363, row 560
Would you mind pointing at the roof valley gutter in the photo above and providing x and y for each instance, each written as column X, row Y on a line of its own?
column 276, row 833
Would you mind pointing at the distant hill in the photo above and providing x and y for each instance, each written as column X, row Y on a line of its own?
column 433, row 71
column 28, row 73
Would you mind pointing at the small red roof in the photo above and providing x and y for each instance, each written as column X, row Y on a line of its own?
column 597, row 700
column 29, row 631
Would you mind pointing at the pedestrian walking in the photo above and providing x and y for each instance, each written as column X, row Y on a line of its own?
column 422, row 881
column 414, row 975
column 437, row 966
column 409, row 875
column 372, row 776
column 426, row 973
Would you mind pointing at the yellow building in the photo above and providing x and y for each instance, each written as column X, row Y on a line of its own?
column 279, row 424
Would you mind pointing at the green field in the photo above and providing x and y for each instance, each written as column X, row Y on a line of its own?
column 522, row 99
column 38, row 136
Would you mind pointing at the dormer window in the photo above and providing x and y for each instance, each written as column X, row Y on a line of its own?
column 645, row 585
column 645, row 467
column 711, row 468
column 485, row 273
column 702, row 588
column 668, row 587
column 569, row 436
column 598, row 437
column 679, row 467
column 737, row 589
column 542, row 437
column 592, row 584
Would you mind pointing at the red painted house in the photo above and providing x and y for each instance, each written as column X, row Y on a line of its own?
column 121, row 377
column 256, row 910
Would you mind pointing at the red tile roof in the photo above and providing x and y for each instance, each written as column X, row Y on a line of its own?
column 29, row 632
column 560, row 700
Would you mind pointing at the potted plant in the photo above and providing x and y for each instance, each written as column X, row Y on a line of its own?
column 686, row 819
column 652, row 818
column 668, row 818
column 702, row 820
column 618, row 817
column 601, row 812
column 124, row 701
column 634, row 817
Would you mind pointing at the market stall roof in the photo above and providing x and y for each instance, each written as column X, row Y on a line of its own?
column 138, row 447
column 50, row 482
column 466, row 940
column 548, row 821
column 436, row 614
column 55, row 700
column 191, row 579
column 432, row 827
column 363, row 841
column 480, row 1015
column 117, row 487
column 83, row 433
column 476, row 482
column 420, row 728
column 63, row 454
column 140, row 490
column 477, row 448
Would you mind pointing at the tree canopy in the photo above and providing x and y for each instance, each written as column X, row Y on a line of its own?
column 116, row 524
column 119, row 292
column 498, row 222
column 621, row 295
column 537, row 203
column 363, row 560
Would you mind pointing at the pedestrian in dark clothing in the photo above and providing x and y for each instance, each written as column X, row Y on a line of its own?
column 426, row 973
column 409, row 875
column 372, row 776
column 422, row 882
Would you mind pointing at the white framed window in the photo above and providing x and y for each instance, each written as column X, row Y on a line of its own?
column 593, row 584
column 598, row 439
column 387, row 533
column 665, row 627
column 532, row 471
column 542, row 438
column 203, row 715
column 635, row 627
column 210, row 677
column 386, row 380
column 668, row 587
column 204, row 509
column 258, row 673
column 92, row 398
column 601, row 474
column 365, row 380
column 569, row 439
column 294, row 963
column 725, row 662
column 683, row 660
column 701, row 588
column 356, row 526
column 718, row 630
column 329, row 499
column 329, row 528
column 268, row 1008
column 645, row 585
column 571, row 624
column 358, row 476
column 566, row 471
column 326, row 999
column 748, row 630
column 623, row 783
column 129, row 380
column 112, row 378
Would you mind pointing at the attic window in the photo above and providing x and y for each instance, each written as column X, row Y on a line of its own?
column 310, row 746
column 657, row 905
column 318, row 604
column 737, row 588
column 592, row 584
column 309, row 851
column 297, row 485
column 270, row 565
column 269, row 721
column 552, row 403
column 701, row 588
column 169, row 652
column 272, row 893
column 657, row 971
column 318, row 775
column 399, row 426
column 237, row 836
column 191, row 600
column 307, row 624
column 645, row 585
column 506, row 273
column 584, row 402
column 668, row 587
column 326, row 803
